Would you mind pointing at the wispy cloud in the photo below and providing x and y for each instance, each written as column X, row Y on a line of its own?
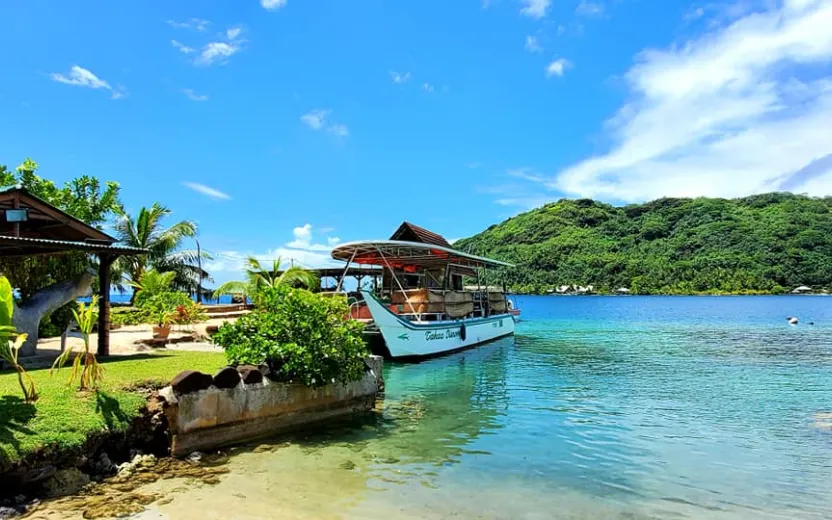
column 427, row 87
column 557, row 67
column 207, row 191
column 535, row 8
column 182, row 47
column 193, row 96
column 315, row 119
column 741, row 109
column 526, row 174
column 273, row 5
column 196, row 24
column 232, row 33
column 318, row 120
column 589, row 8
column 81, row 77
column 533, row 44
column 216, row 52
column 338, row 129
column 399, row 78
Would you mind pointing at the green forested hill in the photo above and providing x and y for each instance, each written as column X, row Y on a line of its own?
column 769, row 243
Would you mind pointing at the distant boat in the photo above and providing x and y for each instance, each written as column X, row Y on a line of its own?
column 802, row 290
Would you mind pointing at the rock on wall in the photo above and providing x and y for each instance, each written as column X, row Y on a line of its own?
column 204, row 413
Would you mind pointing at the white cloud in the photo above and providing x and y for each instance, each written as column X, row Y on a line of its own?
column 315, row 119
column 303, row 237
column 399, row 78
column 233, row 32
column 556, row 67
column 535, row 8
column 533, row 45
column 182, row 47
column 216, row 52
column 739, row 110
column 589, row 8
column 273, row 5
column 338, row 129
column 427, row 87
column 318, row 120
column 207, row 191
column 193, row 96
column 81, row 77
column 526, row 174
column 196, row 24
column 303, row 240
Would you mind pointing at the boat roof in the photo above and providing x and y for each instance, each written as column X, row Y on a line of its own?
column 384, row 252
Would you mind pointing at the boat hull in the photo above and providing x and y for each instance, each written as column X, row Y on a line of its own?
column 413, row 341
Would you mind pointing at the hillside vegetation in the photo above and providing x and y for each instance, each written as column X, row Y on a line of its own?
column 767, row 243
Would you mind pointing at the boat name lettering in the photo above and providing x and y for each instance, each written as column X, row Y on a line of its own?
column 432, row 335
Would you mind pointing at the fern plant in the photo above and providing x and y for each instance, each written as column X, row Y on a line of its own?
column 85, row 366
column 11, row 341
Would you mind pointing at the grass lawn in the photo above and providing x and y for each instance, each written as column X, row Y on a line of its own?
column 62, row 417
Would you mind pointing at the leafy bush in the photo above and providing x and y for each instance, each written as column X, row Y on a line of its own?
column 301, row 336
column 160, row 308
column 56, row 323
column 129, row 317
column 189, row 313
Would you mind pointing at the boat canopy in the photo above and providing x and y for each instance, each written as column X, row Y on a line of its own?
column 408, row 255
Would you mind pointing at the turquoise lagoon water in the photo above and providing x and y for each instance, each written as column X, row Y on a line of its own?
column 600, row 407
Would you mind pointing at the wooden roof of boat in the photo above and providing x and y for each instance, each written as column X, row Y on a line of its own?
column 408, row 232
column 401, row 254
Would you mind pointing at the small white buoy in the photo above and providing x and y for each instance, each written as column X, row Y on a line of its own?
column 792, row 320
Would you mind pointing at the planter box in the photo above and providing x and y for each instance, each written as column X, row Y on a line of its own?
column 214, row 417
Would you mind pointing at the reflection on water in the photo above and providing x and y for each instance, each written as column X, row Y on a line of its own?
column 599, row 408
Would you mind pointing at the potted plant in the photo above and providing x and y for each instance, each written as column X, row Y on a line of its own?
column 162, row 328
column 161, row 308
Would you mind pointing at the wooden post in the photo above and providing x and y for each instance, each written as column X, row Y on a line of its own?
column 104, row 263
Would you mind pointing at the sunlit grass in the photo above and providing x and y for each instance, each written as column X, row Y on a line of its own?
column 63, row 417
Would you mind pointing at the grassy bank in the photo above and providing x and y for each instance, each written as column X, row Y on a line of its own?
column 63, row 418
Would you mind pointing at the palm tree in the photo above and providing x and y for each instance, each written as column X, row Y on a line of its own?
column 163, row 245
column 259, row 278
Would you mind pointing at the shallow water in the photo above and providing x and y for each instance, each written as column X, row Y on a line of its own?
column 600, row 407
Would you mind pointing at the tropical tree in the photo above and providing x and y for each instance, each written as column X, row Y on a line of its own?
column 259, row 278
column 163, row 244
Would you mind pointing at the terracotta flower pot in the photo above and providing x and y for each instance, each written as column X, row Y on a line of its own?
column 161, row 332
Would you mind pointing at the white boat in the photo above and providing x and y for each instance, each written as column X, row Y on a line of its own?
column 420, row 309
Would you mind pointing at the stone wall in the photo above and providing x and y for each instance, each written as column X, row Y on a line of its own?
column 205, row 413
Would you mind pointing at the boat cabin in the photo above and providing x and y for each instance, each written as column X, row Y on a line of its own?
column 422, row 276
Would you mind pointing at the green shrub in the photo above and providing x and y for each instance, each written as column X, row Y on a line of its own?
column 56, row 323
column 302, row 337
column 131, row 316
column 160, row 308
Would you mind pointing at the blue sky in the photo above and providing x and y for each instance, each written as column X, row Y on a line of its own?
column 282, row 127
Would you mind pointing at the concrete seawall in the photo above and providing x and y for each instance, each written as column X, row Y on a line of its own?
column 215, row 417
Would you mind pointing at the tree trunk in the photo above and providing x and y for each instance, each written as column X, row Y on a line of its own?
column 27, row 316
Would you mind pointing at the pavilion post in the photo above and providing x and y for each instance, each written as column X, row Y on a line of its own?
column 104, row 264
